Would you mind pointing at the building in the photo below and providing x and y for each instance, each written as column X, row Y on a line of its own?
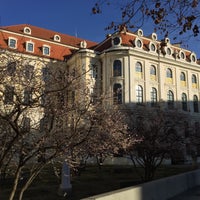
column 129, row 67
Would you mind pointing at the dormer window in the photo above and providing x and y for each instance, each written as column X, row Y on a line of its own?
column 140, row 32
column 138, row 43
column 116, row 41
column 56, row 38
column 182, row 55
column 30, row 46
column 27, row 30
column 193, row 57
column 12, row 43
column 46, row 50
column 168, row 51
column 154, row 36
column 152, row 47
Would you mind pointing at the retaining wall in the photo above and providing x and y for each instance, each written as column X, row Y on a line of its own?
column 155, row 190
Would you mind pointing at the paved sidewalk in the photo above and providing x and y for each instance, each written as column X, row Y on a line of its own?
column 192, row 194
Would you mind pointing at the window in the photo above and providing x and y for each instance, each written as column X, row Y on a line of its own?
column 46, row 50
column 26, row 124
column 29, row 47
column 43, row 98
column 27, row 96
column 8, row 94
column 117, row 93
column 152, row 47
column 138, row 67
column 28, row 71
column 116, row 41
column 194, row 81
column 182, row 76
column 182, row 55
column 27, row 30
column 197, row 134
column 184, row 101
column 45, row 73
column 193, row 57
column 196, row 128
column 186, row 129
column 139, row 94
column 57, row 38
column 11, row 68
column 153, row 96
column 117, row 68
column 93, row 70
column 195, row 103
column 169, row 76
column 139, row 43
column 60, row 99
column 169, row 73
column 169, row 51
column 170, row 99
column 153, row 72
column 44, row 123
column 12, row 43
column 183, row 79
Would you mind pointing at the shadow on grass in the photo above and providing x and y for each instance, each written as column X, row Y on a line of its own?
column 92, row 181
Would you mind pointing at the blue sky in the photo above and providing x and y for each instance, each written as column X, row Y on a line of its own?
column 72, row 17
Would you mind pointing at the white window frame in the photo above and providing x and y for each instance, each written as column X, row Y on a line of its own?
column 136, row 43
column 193, row 57
column 9, row 42
column 182, row 55
column 57, row 38
column 27, row 46
column 150, row 47
column 27, row 30
column 44, row 50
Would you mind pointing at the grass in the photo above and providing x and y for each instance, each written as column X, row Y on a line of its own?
column 91, row 182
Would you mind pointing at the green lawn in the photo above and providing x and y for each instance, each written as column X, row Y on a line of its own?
column 91, row 182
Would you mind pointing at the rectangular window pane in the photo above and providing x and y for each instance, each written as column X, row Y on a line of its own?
column 46, row 50
column 30, row 47
column 12, row 43
column 9, row 95
column 27, row 96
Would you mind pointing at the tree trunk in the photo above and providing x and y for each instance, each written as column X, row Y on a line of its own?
column 17, row 175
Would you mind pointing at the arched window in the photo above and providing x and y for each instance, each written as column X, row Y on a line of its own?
column 169, row 73
column 170, row 99
column 184, row 101
column 182, row 76
column 194, row 81
column 183, row 79
column 117, row 93
column 186, row 129
column 117, row 68
column 139, row 94
column 153, row 96
column 138, row 67
column 195, row 103
column 153, row 70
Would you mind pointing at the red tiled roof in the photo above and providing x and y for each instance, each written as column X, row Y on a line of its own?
column 40, row 37
column 127, row 39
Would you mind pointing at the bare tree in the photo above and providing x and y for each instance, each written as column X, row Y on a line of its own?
column 159, row 137
column 166, row 16
column 47, row 115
